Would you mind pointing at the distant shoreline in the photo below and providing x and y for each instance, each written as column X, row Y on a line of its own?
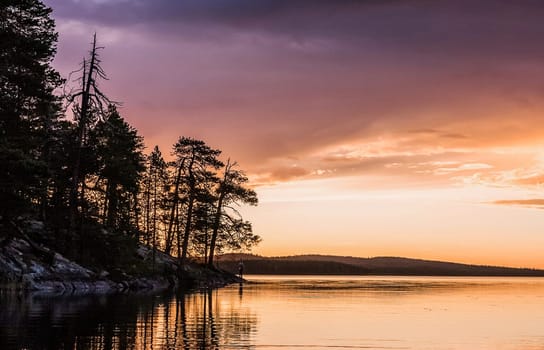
column 329, row 265
column 385, row 275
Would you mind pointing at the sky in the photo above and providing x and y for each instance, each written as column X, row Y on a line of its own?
column 368, row 128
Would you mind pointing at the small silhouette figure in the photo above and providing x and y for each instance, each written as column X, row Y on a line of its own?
column 241, row 269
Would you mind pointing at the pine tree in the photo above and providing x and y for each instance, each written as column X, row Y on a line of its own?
column 232, row 190
column 197, row 163
column 152, row 198
column 120, row 162
column 29, row 109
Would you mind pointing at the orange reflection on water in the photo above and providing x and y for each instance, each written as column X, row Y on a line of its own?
column 399, row 312
column 290, row 312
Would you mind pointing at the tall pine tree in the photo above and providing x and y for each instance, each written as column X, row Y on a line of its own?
column 120, row 163
column 28, row 108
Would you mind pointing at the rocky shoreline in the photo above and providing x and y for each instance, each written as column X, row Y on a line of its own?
column 28, row 266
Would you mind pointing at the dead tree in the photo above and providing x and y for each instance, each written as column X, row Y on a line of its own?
column 87, row 100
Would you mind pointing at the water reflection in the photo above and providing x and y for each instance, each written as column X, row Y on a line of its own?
column 394, row 312
column 184, row 321
column 290, row 312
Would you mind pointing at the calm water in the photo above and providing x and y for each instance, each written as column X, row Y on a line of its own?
column 291, row 313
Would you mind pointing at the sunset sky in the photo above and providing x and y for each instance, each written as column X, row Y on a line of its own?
column 402, row 127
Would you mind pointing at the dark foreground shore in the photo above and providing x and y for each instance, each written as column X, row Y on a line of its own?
column 26, row 265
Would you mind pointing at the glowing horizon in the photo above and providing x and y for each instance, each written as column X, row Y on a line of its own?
column 405, row 128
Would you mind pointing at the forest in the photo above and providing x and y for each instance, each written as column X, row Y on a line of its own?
column 70, row 159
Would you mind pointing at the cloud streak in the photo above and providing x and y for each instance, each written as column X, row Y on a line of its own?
column 531, row 203
column 357, row 118
column 344, row 87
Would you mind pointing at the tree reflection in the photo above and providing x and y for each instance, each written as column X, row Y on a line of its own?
column 184, row 321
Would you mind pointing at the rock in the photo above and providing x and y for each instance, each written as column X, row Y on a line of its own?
column 34, row 226
column 143, row 252
column 36, row 268
column 20, row 245
column 27, row 265
column 63, row 266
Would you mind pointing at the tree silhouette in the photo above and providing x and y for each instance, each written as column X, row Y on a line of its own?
column 197, row 161
column 120, row 165
column 29, row 110
column 231, row 190
column 155, row 188
column 88, row 173
column 90, row 104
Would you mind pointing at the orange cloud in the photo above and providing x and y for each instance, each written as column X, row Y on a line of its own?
column 279, row 174
column 378, row 99
column 531, row 180
column 533, row 203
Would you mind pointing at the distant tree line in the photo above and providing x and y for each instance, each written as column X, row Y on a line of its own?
column 88, row 167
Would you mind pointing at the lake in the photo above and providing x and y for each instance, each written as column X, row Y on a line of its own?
column 290, row 312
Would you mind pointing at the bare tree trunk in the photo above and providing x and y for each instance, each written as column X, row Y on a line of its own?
column 136, row 218
column 188, row 219
column 76, row 174
column 112, row 204
column 175, row 201
column 148, row 209
column 187, row 231
column 154, row 234
column 218, row 210
column 206, row 239
column 104, row 213
column 178, row 233
column 216, row 222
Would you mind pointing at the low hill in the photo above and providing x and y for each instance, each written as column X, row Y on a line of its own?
column 346, row 265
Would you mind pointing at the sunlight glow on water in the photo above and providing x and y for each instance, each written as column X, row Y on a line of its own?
column 291, row 312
